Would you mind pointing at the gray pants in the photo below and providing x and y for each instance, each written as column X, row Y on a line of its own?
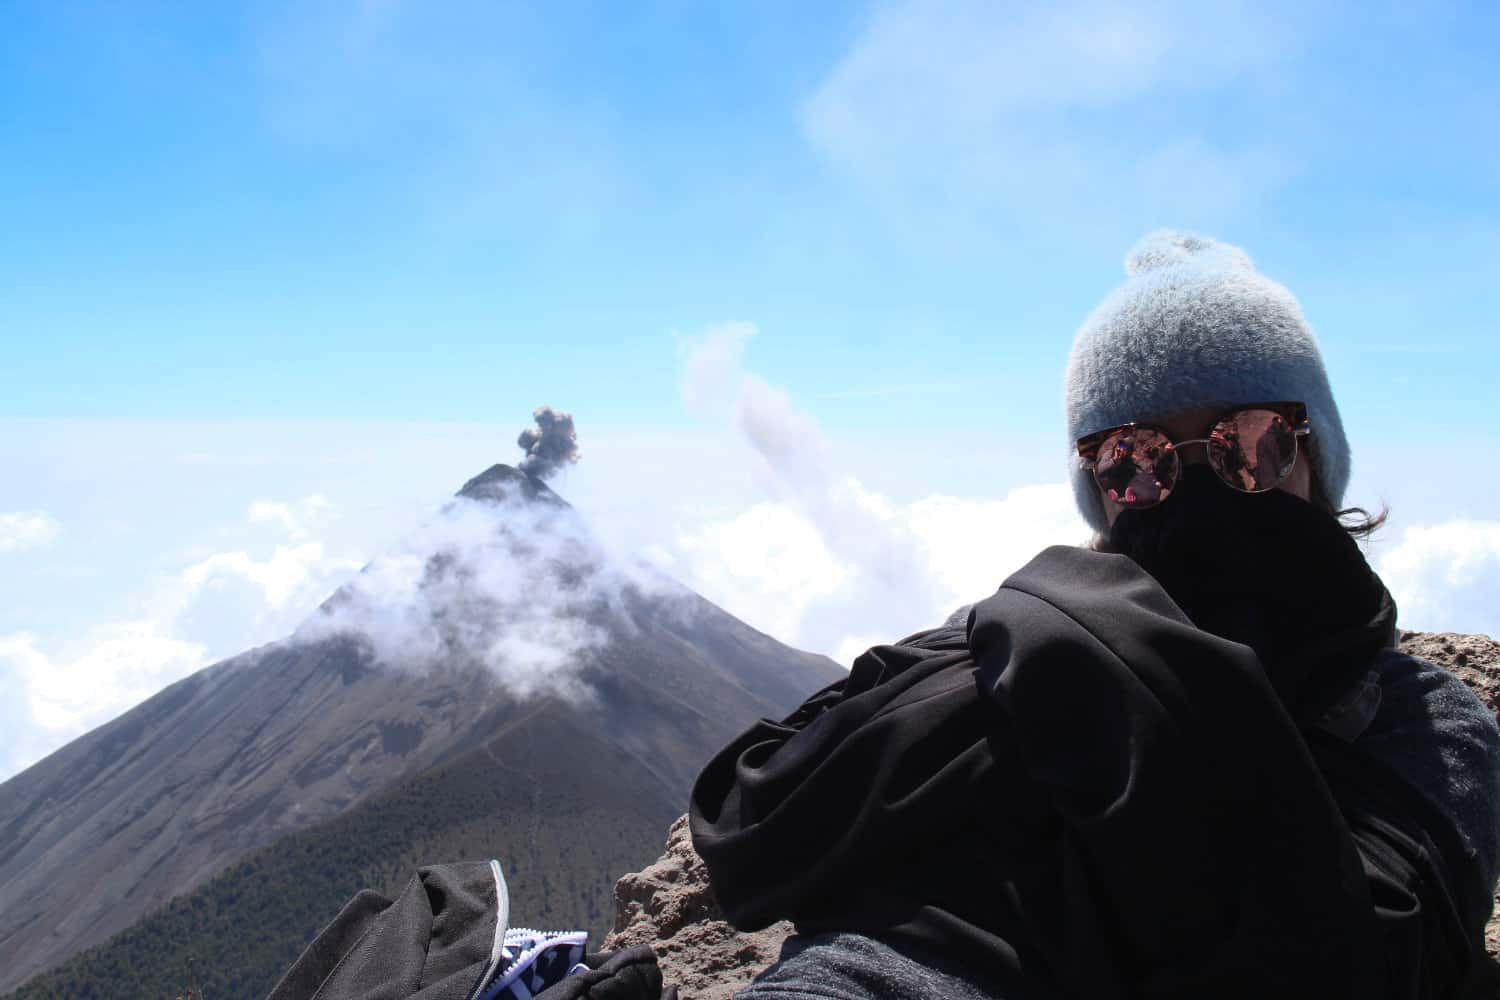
column 853, row 967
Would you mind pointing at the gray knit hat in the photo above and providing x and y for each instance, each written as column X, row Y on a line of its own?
column 1195, row 325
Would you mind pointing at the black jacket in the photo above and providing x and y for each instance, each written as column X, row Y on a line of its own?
column 441, row 939
column 1082, row 794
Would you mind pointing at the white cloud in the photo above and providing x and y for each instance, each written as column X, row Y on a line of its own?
column 91, row 681
column 1445, row 577
column 841, row 584
column 767, row 565
column 278, row 577
column 231, row 601
column 27, row 529
column 57, row 693
column 522, row 589
column 435, row 593
column 297, row 518
column 969, row 61
column 768, row 526
column 947, row 107
column 827, row 564
column 973, row 544
column 57, row 687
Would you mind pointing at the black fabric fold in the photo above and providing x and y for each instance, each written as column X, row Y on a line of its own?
column 432, row 942
column 1206, row 837
column 1086, row 794
column 1271, row 571
column 837, row 816
column 437, row 941
column 628, row 974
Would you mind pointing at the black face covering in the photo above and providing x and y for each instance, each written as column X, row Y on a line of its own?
column 1269, row 570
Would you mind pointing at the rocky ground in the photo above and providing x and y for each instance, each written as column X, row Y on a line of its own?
column 668, row 904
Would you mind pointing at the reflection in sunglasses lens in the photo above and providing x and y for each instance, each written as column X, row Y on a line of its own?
column 1136, row 467
column 1252, row 450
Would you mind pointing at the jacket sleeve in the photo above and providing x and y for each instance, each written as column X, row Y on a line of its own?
column 797, row 812
column 1196, row 813
column 1435, row 735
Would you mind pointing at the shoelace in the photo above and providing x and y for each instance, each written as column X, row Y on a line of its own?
column 536, row 960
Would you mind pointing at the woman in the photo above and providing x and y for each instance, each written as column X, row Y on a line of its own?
column 1185, row 761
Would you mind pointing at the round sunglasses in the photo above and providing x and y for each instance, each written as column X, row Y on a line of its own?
column 1251, row 448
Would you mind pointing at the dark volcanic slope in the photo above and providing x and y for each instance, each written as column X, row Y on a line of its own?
column 552, row 801
column 150, row 805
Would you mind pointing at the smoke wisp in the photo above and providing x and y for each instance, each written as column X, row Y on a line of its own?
column 825, row 562
column 550, row 445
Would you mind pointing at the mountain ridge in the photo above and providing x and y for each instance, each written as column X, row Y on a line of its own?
column 277, row 739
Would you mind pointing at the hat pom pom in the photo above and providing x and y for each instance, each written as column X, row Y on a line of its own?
column 1168, row 248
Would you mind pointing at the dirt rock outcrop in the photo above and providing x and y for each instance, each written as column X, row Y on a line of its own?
column 668, row 905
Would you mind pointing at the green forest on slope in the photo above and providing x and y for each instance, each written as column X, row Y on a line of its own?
column 564, row 827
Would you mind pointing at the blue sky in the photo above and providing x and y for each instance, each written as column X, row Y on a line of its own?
column 258, row 253
column 405, row 211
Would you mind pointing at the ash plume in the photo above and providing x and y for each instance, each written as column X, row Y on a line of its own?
column 550, row 444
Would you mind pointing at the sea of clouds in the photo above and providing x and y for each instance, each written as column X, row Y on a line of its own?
column 757, row 509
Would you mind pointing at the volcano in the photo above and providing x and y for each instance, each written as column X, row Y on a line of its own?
column 503, row 655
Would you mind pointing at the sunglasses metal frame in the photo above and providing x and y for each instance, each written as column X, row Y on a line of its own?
column 1295, row 413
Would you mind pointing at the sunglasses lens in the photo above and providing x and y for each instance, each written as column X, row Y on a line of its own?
column 1253, row 450
column 1136, row 467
